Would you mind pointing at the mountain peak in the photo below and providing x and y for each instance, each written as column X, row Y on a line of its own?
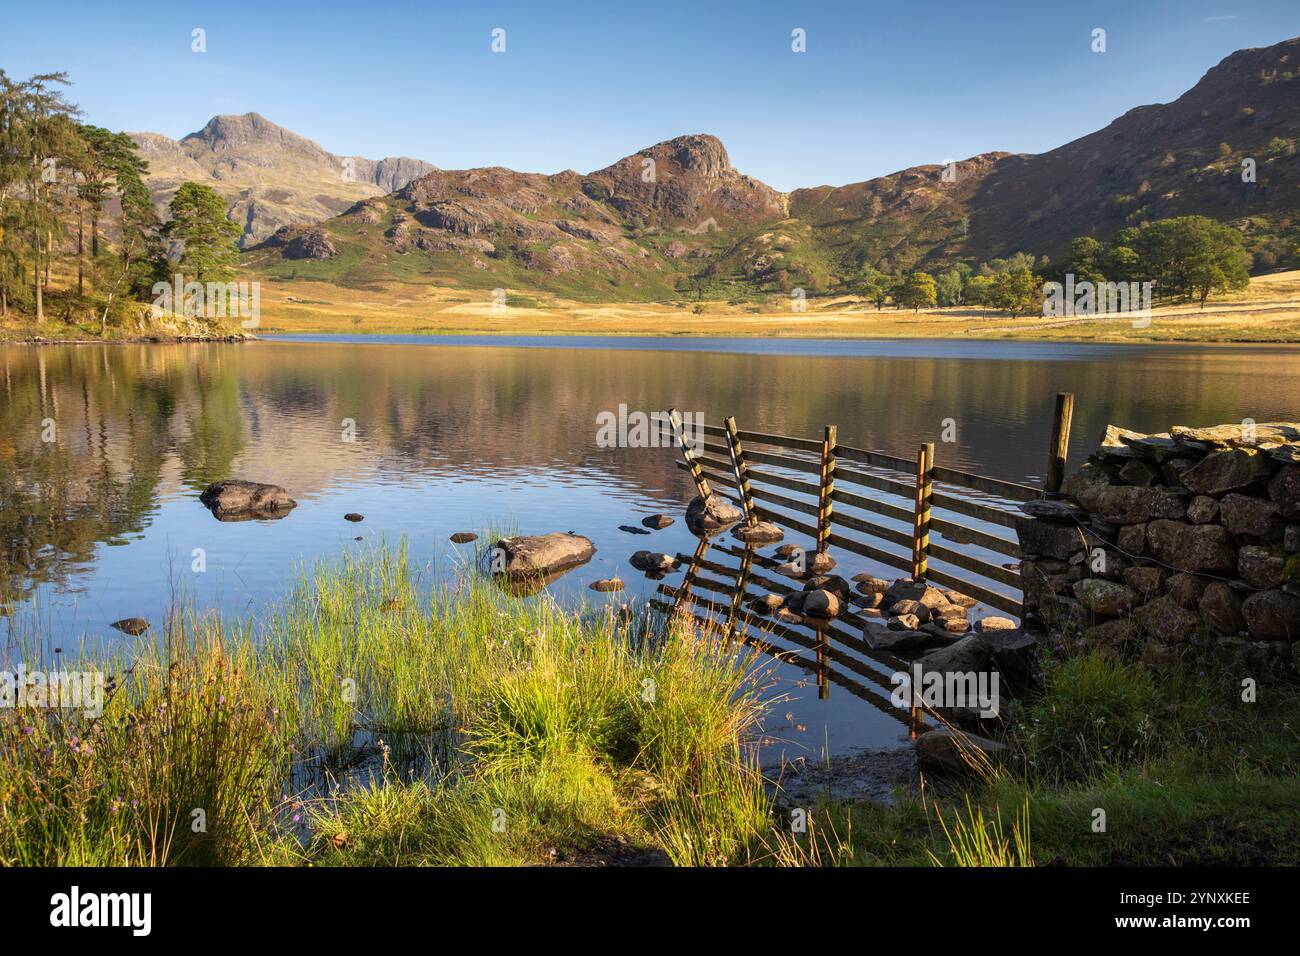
column 684, row 178
column 231, row 131
column 696, row 153
column 270, row 176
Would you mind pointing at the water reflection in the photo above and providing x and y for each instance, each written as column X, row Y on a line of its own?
column 104, row 450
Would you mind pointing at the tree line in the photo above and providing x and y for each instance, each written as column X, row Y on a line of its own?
column 78, row 230
column 1187, row 258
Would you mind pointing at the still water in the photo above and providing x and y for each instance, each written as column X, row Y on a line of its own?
column 427, row 436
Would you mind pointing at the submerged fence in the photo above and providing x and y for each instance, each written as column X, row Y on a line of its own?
column 918, row 517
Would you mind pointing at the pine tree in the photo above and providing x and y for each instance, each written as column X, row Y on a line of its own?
column 198, row 221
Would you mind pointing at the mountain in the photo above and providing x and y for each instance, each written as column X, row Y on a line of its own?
column 679, row 217
column 637, row 226
column 270, row 175
column 1176, row 159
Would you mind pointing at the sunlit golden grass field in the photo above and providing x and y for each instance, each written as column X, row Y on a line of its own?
column 1268, row 312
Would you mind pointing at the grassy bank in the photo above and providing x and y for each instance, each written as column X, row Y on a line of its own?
column 1269, row 311
column 369, row 722
column 362, row 724
column 1110, row 765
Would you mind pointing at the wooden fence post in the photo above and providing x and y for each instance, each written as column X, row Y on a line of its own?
column 692, row 572
column 921, row 514
column 824, row 504
column 697, row 474
column 823, row 663
column 1060, row 444
column 740, row 468
column 742, row 582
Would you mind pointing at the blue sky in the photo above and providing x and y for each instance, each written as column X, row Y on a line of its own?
column 882, row 86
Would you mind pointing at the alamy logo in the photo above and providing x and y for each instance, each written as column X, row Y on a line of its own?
column 54, row 690
column 638, row 429
column 946, row 690
column 1098, row 298
column 75, row 908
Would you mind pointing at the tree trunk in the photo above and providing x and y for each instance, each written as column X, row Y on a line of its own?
column 81, row 253
column 36, row 281
column 94, row 234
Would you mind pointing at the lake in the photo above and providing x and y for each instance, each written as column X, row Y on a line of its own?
column 426, row 436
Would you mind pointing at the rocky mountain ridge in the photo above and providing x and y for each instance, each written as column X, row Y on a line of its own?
column 678, row 216
column 271, row 176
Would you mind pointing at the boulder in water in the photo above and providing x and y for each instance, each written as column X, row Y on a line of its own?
column 711, row 515
column 530, row 561
column 239, row 500
column 652, row 562
column 757, row 532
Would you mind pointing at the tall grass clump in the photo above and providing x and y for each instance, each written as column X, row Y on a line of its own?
column 372, row 719
column 181, row 767
column 1094, row 713
column 974, row 841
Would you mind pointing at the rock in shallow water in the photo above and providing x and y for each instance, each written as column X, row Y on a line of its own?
column 711, row 515
column 544, row 554
column 757, row 532
column 464, row 537
column 821, row 603
column 651, row 561
column 236, row 499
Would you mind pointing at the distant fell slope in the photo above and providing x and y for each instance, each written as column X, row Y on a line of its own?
column 271, row 176
column 1175, row 159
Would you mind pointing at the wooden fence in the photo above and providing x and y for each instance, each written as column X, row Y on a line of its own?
column 918, row 517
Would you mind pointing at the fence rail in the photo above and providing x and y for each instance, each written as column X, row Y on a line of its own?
column 713, row 594
column 933, row 505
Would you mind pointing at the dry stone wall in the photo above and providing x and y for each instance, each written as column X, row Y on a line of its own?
column 1162, row 542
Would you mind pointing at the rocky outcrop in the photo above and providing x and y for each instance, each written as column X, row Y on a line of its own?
column 297, row 242
column 1202, row 543
column 683, row 182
